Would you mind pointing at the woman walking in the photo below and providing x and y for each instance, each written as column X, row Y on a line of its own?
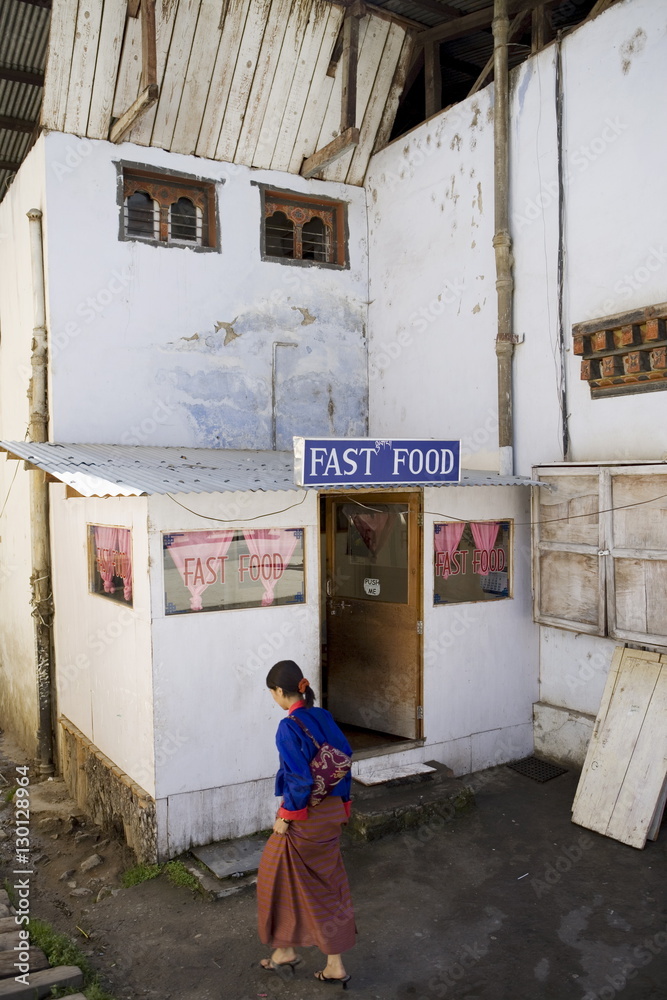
column 302, row 889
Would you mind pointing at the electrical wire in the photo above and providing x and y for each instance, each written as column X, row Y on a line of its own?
column 231, row 520
column 570, row 517
column 25, row 437
column 551, row 520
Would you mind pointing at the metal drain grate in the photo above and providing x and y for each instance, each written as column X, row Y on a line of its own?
column 538, row 770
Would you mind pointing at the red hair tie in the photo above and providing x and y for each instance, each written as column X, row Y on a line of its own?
column 303, row 684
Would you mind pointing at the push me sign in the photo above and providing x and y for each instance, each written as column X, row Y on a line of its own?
column 371, row 462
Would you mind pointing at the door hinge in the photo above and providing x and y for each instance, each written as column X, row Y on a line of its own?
column 420, row 520
column 420, row 628
column 420, row 711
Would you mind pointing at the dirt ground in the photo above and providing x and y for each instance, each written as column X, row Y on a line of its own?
column 508, row 902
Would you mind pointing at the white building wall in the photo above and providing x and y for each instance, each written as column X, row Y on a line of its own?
column 614, row 71
column 432, row 318
column 168, row 346
column 480, row 659
column 103, row 647
column 18, row 681
column 215, row 720
column 432, row 314
column 432, row 361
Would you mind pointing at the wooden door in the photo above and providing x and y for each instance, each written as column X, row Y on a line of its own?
column 373, row 603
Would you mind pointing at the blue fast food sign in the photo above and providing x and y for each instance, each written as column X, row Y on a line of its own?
column 374, row 462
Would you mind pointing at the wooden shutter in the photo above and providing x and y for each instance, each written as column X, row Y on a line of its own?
column 637, row 540
column 568, row 568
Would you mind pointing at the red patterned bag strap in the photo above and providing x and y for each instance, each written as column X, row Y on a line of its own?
column 306, row 731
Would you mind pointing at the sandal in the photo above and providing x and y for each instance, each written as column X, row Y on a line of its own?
column 280, row 967
column 327, row 979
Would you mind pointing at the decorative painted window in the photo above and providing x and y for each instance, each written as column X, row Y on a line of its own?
column 110, row 562
column 471, row 561
column 227, row 570
column 600, row 551
column 624, row 354
column 297, row 228
column 168, row 210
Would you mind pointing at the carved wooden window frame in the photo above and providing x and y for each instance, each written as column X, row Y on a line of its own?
column 625, row 353
column 301, row 209
column 165, row 189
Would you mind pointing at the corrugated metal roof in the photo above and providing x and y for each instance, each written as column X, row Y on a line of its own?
column 116, row 470
column 24, row 35
column 129, row 470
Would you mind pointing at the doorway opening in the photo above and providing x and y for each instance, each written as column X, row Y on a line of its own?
column 371, row 611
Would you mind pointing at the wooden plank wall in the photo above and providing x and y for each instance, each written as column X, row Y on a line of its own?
column 245, row 81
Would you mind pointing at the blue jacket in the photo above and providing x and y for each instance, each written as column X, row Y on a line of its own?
column 294, row 780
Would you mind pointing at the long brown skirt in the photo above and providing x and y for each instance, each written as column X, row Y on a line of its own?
column 302, row 891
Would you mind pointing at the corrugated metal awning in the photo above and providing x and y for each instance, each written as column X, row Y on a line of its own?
column 116, row 470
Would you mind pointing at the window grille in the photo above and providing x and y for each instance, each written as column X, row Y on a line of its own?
column 299, row 228
column 174, row 211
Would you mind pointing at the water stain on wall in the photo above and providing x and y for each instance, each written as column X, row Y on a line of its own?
column 631, row 48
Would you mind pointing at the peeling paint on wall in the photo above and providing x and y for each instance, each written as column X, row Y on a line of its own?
column 308, row 317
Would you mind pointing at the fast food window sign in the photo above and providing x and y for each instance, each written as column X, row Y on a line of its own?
column 375, row 462
column 471, row 561
column 232, row 569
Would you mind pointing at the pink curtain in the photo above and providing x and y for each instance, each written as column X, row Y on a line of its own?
column 190, row 552
column 485, row 535
column 271, row 542
column 106, row 541
column 374, row 527
column 447, row 538
column 124, row 561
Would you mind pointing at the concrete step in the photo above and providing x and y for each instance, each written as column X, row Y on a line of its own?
column 395, row 806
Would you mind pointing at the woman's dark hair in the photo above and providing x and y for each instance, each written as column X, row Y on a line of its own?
column 286, row 674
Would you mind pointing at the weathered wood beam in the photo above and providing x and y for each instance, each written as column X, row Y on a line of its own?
column 328, row 154
column 381, row 12
column 350, row 60
column 11, row 165
column 22, row 76
column 127, row 121
column 516, row 27
column 17, row 124
column 599, row 7
column 133, row 8
column 148, row 44
column 432, row 79
column 474, row 22
column 541, row 28
column 336, row 54
column 38, row 3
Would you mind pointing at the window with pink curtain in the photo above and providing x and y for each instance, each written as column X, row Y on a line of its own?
column 233, row 569
column 446, row 540
column 199, row 557
column 472, row 561
column 111, row 562
column 373, row 527
column 124, row 561
column 106, row 540
column 484, row 534
column 273, row 549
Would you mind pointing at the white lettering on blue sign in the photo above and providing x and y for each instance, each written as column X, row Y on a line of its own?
column 359, row 461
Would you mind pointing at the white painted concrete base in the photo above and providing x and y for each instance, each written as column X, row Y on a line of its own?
column 471, row 753
column 562, row 734
column 196, row 818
